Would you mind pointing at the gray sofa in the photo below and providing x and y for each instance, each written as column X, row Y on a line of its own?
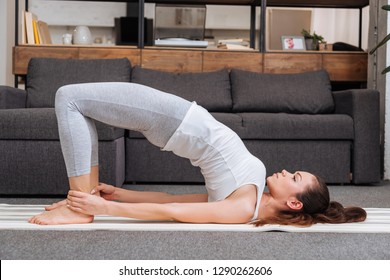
column 289, row 121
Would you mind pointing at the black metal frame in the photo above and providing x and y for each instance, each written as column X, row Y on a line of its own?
column 253, row 4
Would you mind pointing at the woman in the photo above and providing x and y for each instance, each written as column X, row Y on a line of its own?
column 234, row 178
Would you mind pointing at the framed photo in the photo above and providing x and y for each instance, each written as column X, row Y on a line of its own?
column 293, row 43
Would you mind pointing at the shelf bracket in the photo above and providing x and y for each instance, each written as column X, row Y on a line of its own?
column 141, row 24
column 263, row 10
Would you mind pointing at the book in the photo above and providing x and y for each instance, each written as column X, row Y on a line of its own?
column 24, row 38
column 36, row 35
column 232, row 41
column 44, row 34
column 29, row 19
column 234, row 44
column 233, row 47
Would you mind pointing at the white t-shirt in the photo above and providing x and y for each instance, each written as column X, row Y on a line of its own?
column 225, row 162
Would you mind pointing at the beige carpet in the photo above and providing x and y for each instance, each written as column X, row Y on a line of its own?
column 14, row 217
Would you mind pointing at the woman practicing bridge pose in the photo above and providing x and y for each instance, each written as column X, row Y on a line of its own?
column 234, row 178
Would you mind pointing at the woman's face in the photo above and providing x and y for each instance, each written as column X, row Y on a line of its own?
column 283, row 185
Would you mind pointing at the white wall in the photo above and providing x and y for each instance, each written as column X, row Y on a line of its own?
column 341, row 25
column 6, row 41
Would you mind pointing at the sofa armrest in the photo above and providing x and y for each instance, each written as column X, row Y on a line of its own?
column 363, row 106
column 12, row 98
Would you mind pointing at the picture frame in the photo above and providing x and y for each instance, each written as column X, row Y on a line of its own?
column 293, row 43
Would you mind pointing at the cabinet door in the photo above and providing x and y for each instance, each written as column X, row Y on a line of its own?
column 287, row 63
column 172, row 60
column 23, row 54
column 216, row 60
column 346, row 67
column 132, row 54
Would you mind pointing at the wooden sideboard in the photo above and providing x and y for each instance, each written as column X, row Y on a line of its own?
column 341, row 66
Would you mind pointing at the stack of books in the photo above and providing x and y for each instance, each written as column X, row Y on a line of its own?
column 34, row 31
column 234, row 44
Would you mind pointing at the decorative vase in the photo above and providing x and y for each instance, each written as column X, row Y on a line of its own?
column 67, row 39
column 82, row 35
column 310, row 45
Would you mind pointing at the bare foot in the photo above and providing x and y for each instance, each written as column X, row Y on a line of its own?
column 59, row 216
column 55, row 205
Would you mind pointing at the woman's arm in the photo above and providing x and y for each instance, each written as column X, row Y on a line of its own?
column 112, row 193
column 158, row 197
column 225, row 211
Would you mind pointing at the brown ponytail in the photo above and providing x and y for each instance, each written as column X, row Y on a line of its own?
column 317, row 208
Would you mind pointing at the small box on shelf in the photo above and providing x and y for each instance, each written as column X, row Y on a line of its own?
column 325, row 47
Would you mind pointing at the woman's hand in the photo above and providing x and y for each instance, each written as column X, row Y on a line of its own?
column 106, row 191
column 86, row 203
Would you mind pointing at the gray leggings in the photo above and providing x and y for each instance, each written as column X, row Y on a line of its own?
column 130, row 106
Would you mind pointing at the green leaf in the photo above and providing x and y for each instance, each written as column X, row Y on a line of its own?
column 387, row 69
column 306, row 33
column 387, row 38
column 386, row 7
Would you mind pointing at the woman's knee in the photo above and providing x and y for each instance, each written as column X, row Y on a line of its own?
column 61, row 95
column 65, row 97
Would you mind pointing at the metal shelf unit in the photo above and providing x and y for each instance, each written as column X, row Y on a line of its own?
column 263, row 4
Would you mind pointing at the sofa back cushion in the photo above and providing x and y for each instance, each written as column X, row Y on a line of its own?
column 210, row 90
column 46, row 75
column 304, row 93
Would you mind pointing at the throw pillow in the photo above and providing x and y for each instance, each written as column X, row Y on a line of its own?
column 46, row 75
column 210, row 90
column 304, row 93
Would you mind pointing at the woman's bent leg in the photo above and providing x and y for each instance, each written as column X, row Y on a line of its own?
column 135, row 107
column 130, row 106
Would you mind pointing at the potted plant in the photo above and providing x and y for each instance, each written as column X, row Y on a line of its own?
column 383, row 42
column 312, row 40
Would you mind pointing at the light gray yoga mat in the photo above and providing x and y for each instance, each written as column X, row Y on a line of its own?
column 14, row 217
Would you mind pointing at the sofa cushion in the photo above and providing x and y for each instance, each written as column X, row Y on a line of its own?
column 233, row 121
column 210, row 90
column 46, row 75
column 12, row 98
column 306, row 93
column 41, row 124
column 294, row 126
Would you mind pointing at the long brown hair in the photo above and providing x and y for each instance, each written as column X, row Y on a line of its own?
column 317, row 208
